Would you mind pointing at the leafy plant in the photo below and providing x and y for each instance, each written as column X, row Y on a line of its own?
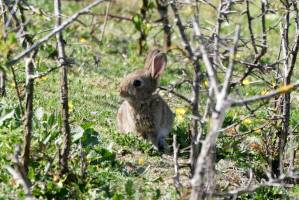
column 266, row 193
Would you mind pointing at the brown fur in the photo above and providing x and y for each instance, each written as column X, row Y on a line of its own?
column 144, row 111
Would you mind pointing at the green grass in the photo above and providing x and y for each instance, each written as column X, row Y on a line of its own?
column 114, row 165
column 117, row 166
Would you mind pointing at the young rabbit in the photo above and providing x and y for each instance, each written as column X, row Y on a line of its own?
column 144, row 111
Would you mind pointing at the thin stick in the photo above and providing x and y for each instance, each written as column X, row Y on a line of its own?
column 176, row 94
column 195, row 86
column 249, row 19
column 162, row 7
column 65, row 130
column 286, row 89
column 26, row 39
column 19, row 175
column 253, row 187
column 105, row 21
column 4, row 19
column 17, row 89
column 63, row 25
column 229, row 72
column 112, row 16
column 176, row 177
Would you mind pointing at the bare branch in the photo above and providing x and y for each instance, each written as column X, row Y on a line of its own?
column 176, row 94
column 162, row 8
column 106, row 20
column 176, row 177
column 249, row 19
column 17, row 89
column 46, row 73
column 205, row 57
column 19, row 175
column 25, row 40
column 229, row 71
column 253, row 187
column 4, row 16
column 55, row 31
column 282, row 90
column 20, row 179
column 112, row 16
column 195, row 90
column 65, row 130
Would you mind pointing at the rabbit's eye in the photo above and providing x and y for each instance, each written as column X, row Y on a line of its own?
column 137, row 83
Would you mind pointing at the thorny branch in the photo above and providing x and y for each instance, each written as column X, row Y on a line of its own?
column 250, row 187
column 195, row 86
column 65, row 130
column 26, row 40
column 202, row 181
column 176, row 94
column 176, row 178
column 162, row 7
column 63, row 25
column 264, row 47
column 19, row 175
column 105, row 20
column 219, row 92
column 269, row 95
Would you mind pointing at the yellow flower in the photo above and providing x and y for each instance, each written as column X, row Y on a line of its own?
column 246, row 82
column 141, row 161
column 206, row 83
column 82, row 40
column 180, row 111
column 71, row 106
column 43, row 78
column 247, row 121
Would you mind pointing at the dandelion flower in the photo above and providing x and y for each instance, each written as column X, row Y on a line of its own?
column 141, row 161
column 206, row 83
column 246, row 82
column 247, row 121
column 82, row 40
column 43, row 78
column 180, row 113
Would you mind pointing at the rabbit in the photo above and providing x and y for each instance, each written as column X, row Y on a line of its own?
column 144, row 111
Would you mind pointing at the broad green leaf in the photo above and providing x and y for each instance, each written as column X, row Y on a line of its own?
column 77, row 133
column 7, row 116
column 137, row 21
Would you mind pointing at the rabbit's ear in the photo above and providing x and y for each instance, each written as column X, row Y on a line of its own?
column 157, row 65
column 149, row 57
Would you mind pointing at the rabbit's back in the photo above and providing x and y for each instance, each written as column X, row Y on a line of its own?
column 152, row 119
column 163, row 116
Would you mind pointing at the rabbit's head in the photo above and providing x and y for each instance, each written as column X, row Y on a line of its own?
column 141, row 84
